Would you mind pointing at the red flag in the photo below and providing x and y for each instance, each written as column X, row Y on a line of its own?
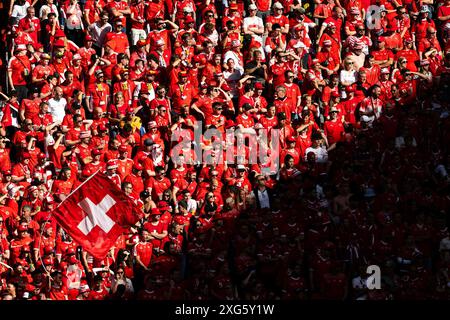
column 96, row 214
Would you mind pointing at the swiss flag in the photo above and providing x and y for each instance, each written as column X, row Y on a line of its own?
column 96, row 214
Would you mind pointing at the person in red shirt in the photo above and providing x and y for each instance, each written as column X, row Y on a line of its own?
column 408, row 53
column 117, row 39
column 31, row 25
column 429, row 41
column 158, row 184
column 98, row 291
column 19, row 68
column 383, row 56
column 143, row 250
column 63, row 186
column 98, row 93
column 333, row 128
column 182, row 93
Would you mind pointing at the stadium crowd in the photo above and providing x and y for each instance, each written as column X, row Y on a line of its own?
column 356, row 89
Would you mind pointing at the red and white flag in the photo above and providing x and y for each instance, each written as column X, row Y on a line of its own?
column 96, row 214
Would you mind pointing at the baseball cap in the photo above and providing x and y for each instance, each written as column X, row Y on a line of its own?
column 235, row 43
column 155, row 212
column 252, row 7
column 385, row 71
column 59, row 43
column 111, row 164
column 26, row 155
column 102, row 127
column 189, row 19
column 259, row 86
column 300, row 44
column 96, row 152
column 152, row 124
column 21, row 47
column 59, row 33
column 290, row 139
column 327, row 42
column 278, row 5
column 141, row 43
column 85, row 134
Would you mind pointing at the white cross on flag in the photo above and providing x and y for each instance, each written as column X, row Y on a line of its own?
column 96, row 214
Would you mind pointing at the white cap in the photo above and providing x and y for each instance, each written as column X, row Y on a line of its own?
column 278, row 5
column 299, row 44
column 21, row 47
column 240, row 167
column 252, row 7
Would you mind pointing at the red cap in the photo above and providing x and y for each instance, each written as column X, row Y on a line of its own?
column 141, row 43
column 59, row 33
column 350, row 89
column 102, row 127
column 70, row 251
column 73, row 260
column 123, row 148
column 178, row 220
column 7, row 173
column 26, row 155
column 138, row 166
column 42, row 156
column 189, row 19
column 47, row 261
column 111, row 164
column 183, row 74
column 48, row 249
column 96, row 152
column 59, row 43
column 88, row 37
column 22, row 228
column 144, row 89
column 259, row 86
column 155, row 211
column 290, row 139
column 335, row 94
column 163, row 206
column 234, row 6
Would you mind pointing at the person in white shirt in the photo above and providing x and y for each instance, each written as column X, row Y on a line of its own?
column 19, row 11
column 57, row 105
column 317, row 148
column 99, row 29
column 47, row 8
column 254, row 25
